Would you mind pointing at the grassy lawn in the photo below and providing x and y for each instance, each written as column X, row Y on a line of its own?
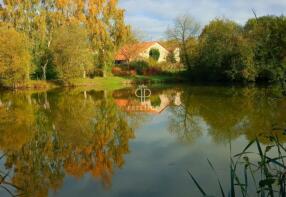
column 102, row 83
column 157, row 79
column 113, row 82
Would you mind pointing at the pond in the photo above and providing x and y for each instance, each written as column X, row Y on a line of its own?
column 84, row 142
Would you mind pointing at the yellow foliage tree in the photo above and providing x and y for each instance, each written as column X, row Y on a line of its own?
column 103, row 20
column 15, row 59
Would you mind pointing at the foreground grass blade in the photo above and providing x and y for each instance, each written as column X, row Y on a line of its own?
column 220, row 186
column 259, row 149
column 197, row 184
column 274, row 160
column 245, row 149
column 232, row 190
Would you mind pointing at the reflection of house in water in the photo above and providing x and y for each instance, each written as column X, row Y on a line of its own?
column 135, row 105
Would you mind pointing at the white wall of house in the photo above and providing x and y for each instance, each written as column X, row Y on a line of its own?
column 177, row 54
column 163, row 52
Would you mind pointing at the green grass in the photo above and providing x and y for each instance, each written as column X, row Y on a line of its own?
column 157, row 79
column 102, row 83
column 109, row 83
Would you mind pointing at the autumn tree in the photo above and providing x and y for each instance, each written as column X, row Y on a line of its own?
column 15, row 59
column 107, row 30
column 102, row 19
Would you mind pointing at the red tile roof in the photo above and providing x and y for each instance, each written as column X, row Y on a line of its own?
column 132, row 50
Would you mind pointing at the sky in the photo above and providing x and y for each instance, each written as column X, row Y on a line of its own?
column 152, row 17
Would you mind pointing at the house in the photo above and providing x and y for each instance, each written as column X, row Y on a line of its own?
column 173, row 47
column 141, row 51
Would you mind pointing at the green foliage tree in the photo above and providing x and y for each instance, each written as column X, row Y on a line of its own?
column 154, row 54
column 267, row 36
column 15, row 59
column 72, row 55
column 223, row 53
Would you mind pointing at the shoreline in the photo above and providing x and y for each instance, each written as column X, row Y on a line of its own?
column 112, row 82
column 115, row 82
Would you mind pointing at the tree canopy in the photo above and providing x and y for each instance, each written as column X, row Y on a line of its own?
column 227, row 51
column 40, row 21
column 15, row 59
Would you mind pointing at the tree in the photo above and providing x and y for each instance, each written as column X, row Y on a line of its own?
column 154, row 54
column 184, row 28
column 223, row 53
column 171, row 57
column 72, row 55
column 129, row 50
column 102, row 19
column 267, row 36
column 15, row 59
column 107, row 31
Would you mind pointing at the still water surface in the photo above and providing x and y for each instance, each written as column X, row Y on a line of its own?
column 77, row 142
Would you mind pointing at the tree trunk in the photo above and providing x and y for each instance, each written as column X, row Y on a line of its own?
column 187, row 60
column 84, row 74
column 85, row 95
column 44, row 69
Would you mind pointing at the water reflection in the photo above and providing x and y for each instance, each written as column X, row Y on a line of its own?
column 228, row 113
column 48, row 136
column 154, row 103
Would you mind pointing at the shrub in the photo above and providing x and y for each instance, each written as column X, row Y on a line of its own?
column 139, row 66
column 154, row 54
column 118, row 71
column 133, row 73
column 152, row 71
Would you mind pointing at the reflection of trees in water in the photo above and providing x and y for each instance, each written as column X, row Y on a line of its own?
column 185, row 124
column 62, row 132
column 48, row 135
column 228, row 112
